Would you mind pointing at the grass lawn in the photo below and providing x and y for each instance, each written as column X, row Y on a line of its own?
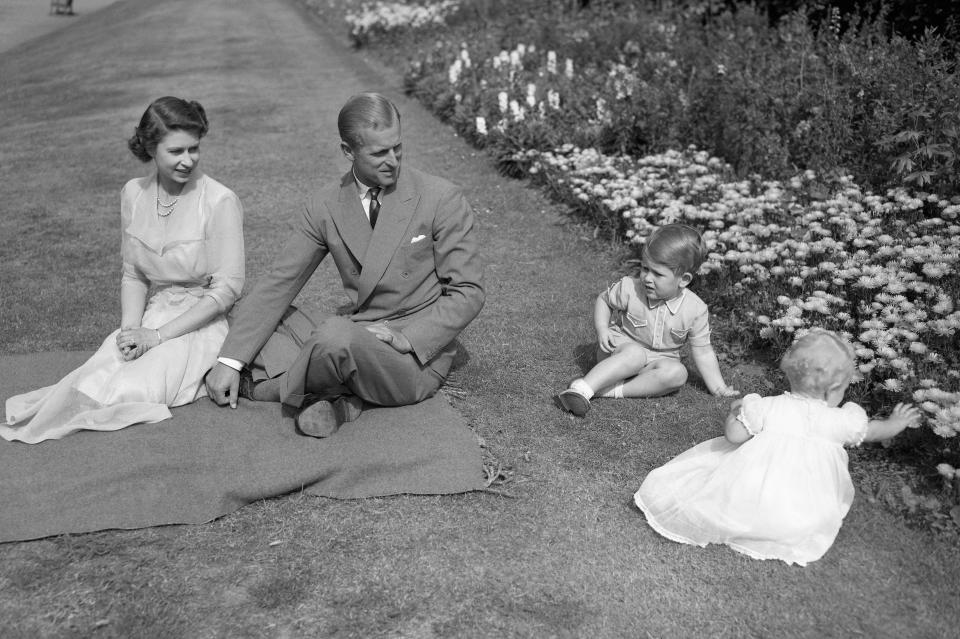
column 559, row 552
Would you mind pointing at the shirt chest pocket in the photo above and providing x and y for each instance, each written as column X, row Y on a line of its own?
column 633, row 321
column 676, row 337
column 637, row 327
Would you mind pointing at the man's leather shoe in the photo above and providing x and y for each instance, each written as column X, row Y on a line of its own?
column 323, row 418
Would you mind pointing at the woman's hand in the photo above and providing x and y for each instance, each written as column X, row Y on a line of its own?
column 134, row 342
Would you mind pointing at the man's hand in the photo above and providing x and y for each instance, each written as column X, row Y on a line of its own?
column 391, row 336
column 223, row 384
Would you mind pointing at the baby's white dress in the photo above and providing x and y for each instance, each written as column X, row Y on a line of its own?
column 194, row 252
column 782, row 494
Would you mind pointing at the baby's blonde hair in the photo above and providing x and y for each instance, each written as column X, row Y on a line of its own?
column 818, row 361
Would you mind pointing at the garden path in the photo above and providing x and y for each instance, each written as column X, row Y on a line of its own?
column 24, row 20
column 564, row 553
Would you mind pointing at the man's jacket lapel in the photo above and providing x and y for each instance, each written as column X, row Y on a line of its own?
column 396, row 213
column 347, row 214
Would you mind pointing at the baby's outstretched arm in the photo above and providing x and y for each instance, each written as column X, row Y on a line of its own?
column 705, row 359
column 733, row 428
column 903, row 416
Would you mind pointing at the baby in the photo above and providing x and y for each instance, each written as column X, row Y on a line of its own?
column 642, row 323
column 776, row 486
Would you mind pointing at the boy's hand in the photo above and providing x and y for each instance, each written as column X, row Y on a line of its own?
column 905, row 415
column 605, row 340
column 725, row 391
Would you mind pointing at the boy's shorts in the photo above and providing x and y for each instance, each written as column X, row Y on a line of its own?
column 619, row 337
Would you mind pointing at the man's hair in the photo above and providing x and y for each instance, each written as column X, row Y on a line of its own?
column 365, row 111
column 677, row 246
column 817, row 361
column 164, row 115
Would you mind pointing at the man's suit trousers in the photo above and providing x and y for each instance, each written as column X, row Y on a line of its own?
column 336, row 356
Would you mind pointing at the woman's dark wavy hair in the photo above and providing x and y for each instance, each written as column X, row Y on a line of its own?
column 164, row 115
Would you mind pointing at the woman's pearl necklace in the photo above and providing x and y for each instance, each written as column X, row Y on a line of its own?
column 168, row 208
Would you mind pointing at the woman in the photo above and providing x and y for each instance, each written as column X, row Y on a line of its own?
column 183, row 268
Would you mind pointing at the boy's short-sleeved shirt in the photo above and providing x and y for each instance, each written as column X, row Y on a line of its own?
column 662, row 326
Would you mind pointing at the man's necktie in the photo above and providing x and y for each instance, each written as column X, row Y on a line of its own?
column 374, row 205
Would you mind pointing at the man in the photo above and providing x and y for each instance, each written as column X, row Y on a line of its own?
column 406, row 250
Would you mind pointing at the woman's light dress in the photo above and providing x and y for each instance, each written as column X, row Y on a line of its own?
column 195, row 251
column 782, row 494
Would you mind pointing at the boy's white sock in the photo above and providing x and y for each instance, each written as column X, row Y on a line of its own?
column 616, row 392
column 582, row 387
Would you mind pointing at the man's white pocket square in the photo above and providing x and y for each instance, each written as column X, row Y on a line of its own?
column 416, row 238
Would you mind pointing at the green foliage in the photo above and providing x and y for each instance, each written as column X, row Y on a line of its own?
column 927, row 146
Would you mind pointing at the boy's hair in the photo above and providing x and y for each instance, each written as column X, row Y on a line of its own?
column 817, row 361
column 678, row 247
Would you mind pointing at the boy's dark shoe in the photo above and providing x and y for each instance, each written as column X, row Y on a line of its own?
column 574, row 402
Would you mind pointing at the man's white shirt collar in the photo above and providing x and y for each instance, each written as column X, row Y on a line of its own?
column 362, row 188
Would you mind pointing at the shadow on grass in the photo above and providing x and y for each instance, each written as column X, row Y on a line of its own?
column 283, row 587
column 585, row 356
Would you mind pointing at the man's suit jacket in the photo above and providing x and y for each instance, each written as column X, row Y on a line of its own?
column 418, row 269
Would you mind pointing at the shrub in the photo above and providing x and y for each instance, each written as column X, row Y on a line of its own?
column 767, row 100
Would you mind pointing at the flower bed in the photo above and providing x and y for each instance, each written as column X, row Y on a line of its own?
column 807, row 252
column 378, row 18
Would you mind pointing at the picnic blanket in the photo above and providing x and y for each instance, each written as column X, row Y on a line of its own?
column 208, row 461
